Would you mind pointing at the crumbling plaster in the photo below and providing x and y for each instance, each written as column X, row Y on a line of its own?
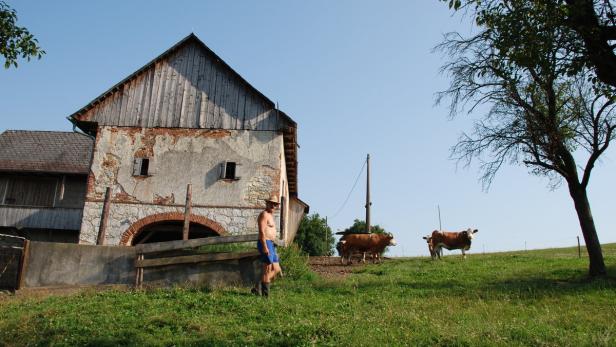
column 179, row 157
column 182, row 156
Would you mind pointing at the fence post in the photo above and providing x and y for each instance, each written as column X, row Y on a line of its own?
column 187, row 211
column 23, row 263
column 100, row 240
column 579, row 247
column 139, row 273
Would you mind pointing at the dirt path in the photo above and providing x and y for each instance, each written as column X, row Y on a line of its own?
column 330, row 267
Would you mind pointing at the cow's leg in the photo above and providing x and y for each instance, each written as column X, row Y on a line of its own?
column 463, row 254
column 439, row 251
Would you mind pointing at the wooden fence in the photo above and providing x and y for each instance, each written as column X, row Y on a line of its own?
column 11, row 261
column 158, row 258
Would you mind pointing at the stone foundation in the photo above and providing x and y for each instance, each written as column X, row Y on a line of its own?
column 233, row 221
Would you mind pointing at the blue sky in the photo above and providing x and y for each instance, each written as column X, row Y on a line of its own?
column 358, row 76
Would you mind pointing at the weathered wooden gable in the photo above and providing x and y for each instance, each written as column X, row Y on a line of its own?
column 188, row 87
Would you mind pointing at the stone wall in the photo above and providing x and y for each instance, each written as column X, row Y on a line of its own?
column 234, row 221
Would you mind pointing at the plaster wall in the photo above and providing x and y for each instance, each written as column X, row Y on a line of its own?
column 178, row 157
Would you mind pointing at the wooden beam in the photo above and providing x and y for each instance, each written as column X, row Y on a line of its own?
column 191, row 259
column 100, row 240
column 181, row 244
column 23, row 264
column 187, row 211
column 138, row 272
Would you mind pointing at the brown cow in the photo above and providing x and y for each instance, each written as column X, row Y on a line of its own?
column 428, row 239
column 449, row 240
column 364, row 243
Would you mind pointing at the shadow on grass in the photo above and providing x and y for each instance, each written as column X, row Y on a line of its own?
column 524, row 286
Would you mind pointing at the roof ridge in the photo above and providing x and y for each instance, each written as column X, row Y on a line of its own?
column 40, row 131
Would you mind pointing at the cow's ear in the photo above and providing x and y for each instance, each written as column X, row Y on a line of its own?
column 425, row 237
column 475, row 231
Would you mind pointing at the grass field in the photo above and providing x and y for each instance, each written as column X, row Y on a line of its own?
column 534, row 298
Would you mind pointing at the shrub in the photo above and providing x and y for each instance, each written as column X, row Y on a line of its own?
column 294, row 263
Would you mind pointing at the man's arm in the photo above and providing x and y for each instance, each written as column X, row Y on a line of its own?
column 262, row 222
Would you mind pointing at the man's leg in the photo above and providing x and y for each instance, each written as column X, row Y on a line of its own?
column 277, row 270
column 266, row 279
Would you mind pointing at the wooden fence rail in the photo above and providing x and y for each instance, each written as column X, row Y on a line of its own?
column 157, row 247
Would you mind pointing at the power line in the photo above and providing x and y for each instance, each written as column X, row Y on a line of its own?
column 353, row 188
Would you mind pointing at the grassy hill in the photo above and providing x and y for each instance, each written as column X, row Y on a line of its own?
column 519, row 298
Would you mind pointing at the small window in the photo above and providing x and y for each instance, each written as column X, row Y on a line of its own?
column 229, row 170
column 141, row 167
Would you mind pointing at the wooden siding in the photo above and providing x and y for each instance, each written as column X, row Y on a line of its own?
column 31, row 191
column 189, row 88
column 67, row 191
column 44, row 218
column 71, row 192
column 297, row 210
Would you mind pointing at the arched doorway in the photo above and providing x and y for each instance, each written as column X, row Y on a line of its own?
column 168, row 227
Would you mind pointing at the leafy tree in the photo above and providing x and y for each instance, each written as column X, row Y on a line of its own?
column 542, row 113
column 359, row 227
column 314, row 236
column 594, row 22
column 15, row 41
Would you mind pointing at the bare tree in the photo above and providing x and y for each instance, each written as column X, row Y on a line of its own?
column 540, row 114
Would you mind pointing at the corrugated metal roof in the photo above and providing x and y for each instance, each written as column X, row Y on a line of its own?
column 45, row 151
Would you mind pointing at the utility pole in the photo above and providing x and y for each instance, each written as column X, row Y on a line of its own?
column 440, row 227
column 368, row 203
column 326, row 228
column 579, row 247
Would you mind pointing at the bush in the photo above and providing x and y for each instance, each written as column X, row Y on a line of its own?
column 314, row 236
column 294, row 263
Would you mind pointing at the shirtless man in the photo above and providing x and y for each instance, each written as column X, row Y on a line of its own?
column 267, row 248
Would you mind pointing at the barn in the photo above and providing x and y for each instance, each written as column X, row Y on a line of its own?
column 186, row 125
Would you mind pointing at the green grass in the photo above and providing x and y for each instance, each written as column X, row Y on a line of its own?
column 535, row 298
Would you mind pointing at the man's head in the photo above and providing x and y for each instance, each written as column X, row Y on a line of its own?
column 272, row 203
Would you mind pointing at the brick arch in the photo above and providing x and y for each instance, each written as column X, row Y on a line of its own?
column 138, row 226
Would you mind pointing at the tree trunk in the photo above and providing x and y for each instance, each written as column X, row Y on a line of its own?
column 593, row 247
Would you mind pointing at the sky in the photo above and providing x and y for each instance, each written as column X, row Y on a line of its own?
column 357, row 76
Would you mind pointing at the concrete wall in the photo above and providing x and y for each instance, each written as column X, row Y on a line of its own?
column 65, row 264
column 179, row 157
column 59, row 265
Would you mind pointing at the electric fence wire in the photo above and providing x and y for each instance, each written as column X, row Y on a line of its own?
column 351, row 192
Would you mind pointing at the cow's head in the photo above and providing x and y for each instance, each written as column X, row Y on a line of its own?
column 339, row 247
column 390, row 237
column 470, row 233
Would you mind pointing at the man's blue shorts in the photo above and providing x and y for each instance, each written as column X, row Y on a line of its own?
column 272, row 257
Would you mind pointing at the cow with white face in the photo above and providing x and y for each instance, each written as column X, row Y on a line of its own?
column 450, row 240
